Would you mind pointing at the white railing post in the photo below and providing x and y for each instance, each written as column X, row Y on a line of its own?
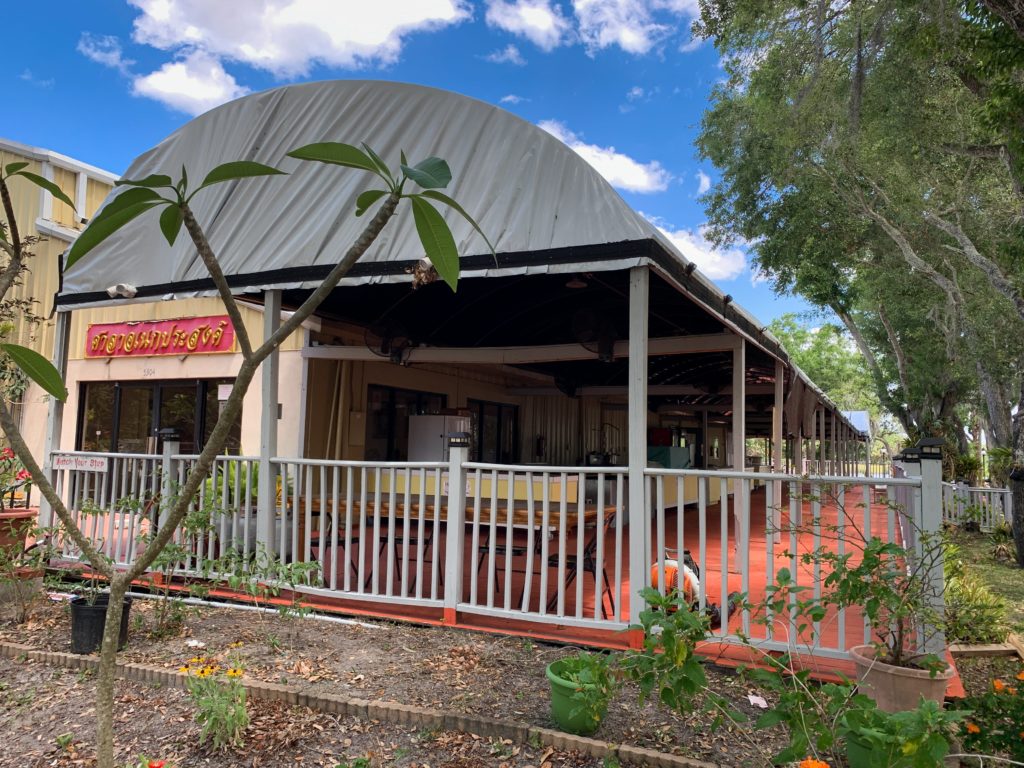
column 171, row 447
column 636, row 509
column 266, row 512
column 55, row 412
column 458, row 455
column 924, row 460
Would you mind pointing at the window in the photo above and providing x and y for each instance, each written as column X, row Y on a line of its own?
column 495, row 431
column 387, row 419
column 123, row 416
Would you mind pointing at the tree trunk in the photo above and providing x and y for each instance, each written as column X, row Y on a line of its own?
column 1017, row 489
column 105, row 678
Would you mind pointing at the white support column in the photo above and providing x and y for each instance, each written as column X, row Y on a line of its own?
column 741, row 516
column 777, row 444
column 832, row 454
column 821, row 441
column 55, row 412
column 267, row 489
column 455, row 531
column 638, row 515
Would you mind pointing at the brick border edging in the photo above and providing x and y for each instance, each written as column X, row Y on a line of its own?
column 386, row 711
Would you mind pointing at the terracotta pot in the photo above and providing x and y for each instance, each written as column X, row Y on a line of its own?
column 14, row 527
column 897, row 689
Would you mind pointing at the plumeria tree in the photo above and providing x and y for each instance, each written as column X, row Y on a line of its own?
column 419, row 184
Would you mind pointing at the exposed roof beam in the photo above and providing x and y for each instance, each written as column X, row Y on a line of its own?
column 671, row 345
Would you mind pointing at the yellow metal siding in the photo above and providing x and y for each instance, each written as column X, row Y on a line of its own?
column 95, row 193
column 63, row 213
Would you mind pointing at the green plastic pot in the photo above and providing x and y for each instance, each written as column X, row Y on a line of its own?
column 566, row 711
column 858, row 753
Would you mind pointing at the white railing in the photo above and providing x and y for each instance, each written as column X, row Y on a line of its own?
column 740, row 537
column 111, row 498
column 373, row 527
column 984, row 507
column 546, row 544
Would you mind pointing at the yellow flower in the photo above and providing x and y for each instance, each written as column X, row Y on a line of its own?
column 236, row 644
column 234, row 672
column 810, row 762
column 999, row 685
column 195, row 660
column 183, row 670
column 972, row 728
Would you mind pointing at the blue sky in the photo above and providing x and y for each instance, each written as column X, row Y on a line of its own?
column 620, row 81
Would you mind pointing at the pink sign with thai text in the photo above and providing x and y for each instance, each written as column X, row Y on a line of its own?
column 185, row 336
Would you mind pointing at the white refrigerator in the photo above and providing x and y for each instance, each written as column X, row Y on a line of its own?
column 428, row 435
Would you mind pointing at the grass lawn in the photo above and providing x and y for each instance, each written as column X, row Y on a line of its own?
column 1003, row 577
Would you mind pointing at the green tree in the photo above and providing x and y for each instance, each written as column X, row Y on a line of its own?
column 172, row 199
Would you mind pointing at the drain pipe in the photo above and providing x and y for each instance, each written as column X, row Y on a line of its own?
column 253, row 608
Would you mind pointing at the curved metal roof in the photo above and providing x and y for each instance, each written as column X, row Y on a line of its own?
column 529, row 192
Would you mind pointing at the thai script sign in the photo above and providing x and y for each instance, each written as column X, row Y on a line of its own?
column 185, row 336
column 81, row 463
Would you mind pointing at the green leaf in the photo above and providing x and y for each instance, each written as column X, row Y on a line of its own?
column 441, row 197
column 337, row 153
column 14, row 168
column 368, row 198
column 127, row 199
column 46, row 184
column 102, row 228
column 432, row 173
column 238, row 169
column 437, row 240
column 381, row 165
column 170, row 223
column 153, row 180
column 37, row 368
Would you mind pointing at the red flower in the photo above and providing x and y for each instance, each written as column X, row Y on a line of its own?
column 23, row 474
column 7, row 453
column 157, row 763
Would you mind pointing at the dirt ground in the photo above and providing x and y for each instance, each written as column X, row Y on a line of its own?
column 443, row 668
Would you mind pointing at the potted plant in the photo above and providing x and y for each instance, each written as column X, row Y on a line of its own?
column 894, row 588
column 581, row 687
column 15, row 483
column 89, row 614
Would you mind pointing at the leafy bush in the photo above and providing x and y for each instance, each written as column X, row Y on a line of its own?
column 219, row 698
column 974, row 614
column 995, row 722
column 918, row 738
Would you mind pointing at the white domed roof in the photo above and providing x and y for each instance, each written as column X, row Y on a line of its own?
column 529, row 192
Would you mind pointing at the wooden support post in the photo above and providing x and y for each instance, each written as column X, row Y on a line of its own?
column 741, row 515
column 637, row 512
column 777, row 438
column 55, row 412
column 266, row 514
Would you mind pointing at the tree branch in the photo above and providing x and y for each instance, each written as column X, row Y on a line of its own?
column 96, row 559
column 995, row 274
column 219, row 280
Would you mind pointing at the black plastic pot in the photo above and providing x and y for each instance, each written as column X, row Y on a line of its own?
column 87, row 623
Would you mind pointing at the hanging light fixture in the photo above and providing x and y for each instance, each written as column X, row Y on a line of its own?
column 576, row 282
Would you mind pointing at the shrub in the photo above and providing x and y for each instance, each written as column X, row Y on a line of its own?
column 219, row 698
column 995, row 723
column 974, row 614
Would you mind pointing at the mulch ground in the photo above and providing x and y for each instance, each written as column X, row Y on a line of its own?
column 442, row 668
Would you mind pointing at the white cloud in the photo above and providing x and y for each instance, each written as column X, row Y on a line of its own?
column 703, row 182
column 105, row 50
column 511, row 98
column 634, row 93
column 536, row 20
column 620, row 170
column 31, row 79
column 716, row 263
column 507, row 55
column 287, row 37
column 193, row 84
column 635, row 26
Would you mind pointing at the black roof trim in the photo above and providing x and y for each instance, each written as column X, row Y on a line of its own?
column 580, row 254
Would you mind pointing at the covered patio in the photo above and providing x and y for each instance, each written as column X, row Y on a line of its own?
column 602, row 401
